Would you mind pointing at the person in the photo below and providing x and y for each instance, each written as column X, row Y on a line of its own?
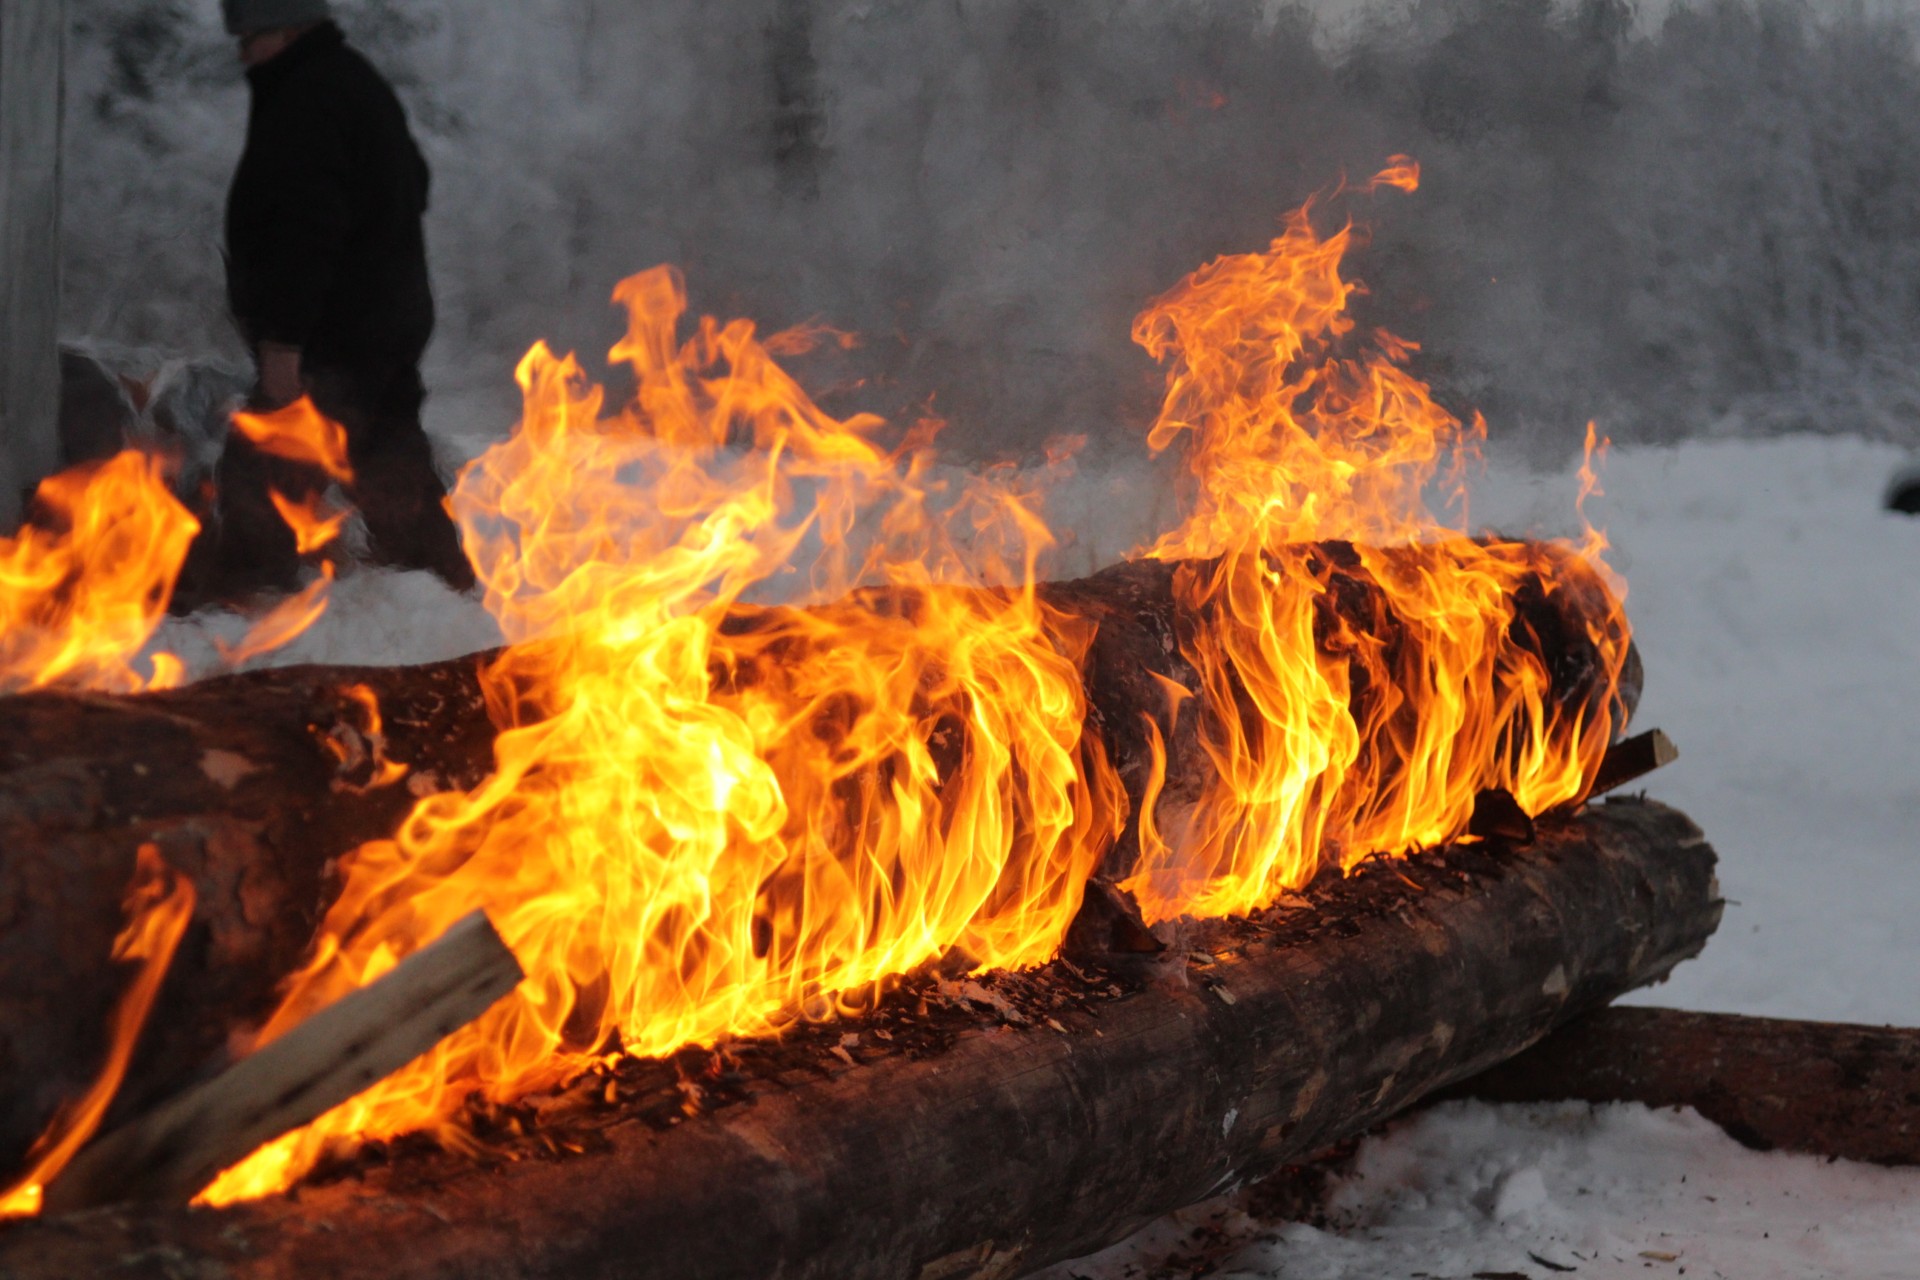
column 327, row 282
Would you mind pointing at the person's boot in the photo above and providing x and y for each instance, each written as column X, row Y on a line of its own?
column 407, row 527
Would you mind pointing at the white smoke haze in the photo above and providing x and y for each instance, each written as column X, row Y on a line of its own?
column 1700, row 219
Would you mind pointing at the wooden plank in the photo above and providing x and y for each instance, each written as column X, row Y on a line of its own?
column 1632, row 759
column 170, row 1154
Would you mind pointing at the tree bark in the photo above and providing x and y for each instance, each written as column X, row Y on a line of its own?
column 1825, row 1088
column 254, row 784
column 1018, row 1145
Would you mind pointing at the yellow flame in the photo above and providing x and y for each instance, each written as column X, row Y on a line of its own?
column 711, row 816
column 708, row 817
column 299, row 433
column 83, row 587
column 1303, row 433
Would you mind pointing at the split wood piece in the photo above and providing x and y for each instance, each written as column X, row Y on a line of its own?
column 254, row 785
column 1632, row 759
column 1825, row 1088
column 1015, row 1146
column 171, row 1154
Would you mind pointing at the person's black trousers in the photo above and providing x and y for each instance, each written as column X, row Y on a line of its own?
column 249, row 547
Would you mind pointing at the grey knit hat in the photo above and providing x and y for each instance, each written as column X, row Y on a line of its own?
column 244, row 17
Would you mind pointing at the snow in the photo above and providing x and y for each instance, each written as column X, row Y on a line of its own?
column 1538, row 1191
column 375, row 617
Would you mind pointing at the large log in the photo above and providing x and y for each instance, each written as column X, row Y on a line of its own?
column 1825, row 1088
column 254, row 784
column 1040, row 1138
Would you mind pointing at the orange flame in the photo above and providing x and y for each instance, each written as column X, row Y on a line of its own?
column 159, row 906
column 83, row 587
column 314, row 526
column 710, row 817
column 281, row 625
column 299, row 433
column 352, row 747
column 1401, row 173
column 80, row 599
column 1301, row 434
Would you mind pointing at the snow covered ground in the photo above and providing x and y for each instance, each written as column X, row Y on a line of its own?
column 1778, row 608
column 1540, row 1191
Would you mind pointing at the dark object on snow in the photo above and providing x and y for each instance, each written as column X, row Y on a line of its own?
column 1016, row 1144
column 1825, row 1088
column 326, row 254
column 1903, row 494
column 240, row 784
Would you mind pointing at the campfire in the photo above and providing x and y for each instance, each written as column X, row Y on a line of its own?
column 720, row 811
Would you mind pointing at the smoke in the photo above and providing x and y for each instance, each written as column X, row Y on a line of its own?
column 1703, row 224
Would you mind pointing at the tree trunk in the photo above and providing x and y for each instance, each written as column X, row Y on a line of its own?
column 253, row 784
column 1825, row 1088
column 1009, row 1147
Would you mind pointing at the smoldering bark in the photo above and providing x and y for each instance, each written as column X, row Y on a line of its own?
column 1014, row 1146
column 242, row 785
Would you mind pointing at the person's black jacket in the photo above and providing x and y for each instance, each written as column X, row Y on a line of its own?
column 324, row 243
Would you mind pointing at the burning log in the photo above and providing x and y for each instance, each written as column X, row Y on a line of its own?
column 253, row 785
column 1021, row 1143
column 1825, row 1088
